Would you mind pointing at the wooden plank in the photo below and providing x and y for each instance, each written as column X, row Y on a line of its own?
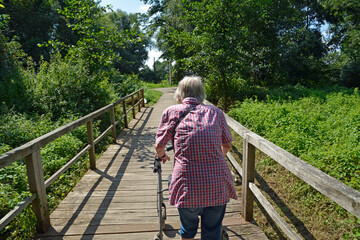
column 99, row 206
column 236, row 228
column 95, row 199
column 116, row 205
column 125, row 212
column 103, row 220
column 105, row 185
column 230, row 223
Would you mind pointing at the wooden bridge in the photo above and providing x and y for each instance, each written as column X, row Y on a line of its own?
column 116, row 199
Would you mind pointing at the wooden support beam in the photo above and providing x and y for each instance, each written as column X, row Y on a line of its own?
column 139, row 101
column 125, row 115
column 112, row 119
column 37, row 186
column 248, row 176
column 142, row 98
column 90, row 136
column 133, row 106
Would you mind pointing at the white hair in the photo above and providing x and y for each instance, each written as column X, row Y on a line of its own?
column 190, row 87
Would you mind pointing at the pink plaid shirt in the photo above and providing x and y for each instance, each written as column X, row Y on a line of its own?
column 201, row 176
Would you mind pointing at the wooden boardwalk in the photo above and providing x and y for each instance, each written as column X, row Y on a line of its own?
column 118, row 199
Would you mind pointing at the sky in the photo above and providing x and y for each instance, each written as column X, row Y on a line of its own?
column 129, row 6
column 133, row 6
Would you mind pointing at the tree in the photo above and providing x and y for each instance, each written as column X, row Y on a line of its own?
column 130, row 56
column 32, row 22
column 254, row 41
column 344, row 20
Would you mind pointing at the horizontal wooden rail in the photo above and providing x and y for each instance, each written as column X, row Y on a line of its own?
column 99, row 138
column 13, row 213
column 274, row 214
column 120, row 120
column 337, row 191
column 26, row 149
column 31, row 151
column 343, row 195
column 62, row 170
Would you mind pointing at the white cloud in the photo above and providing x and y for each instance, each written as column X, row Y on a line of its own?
column 151, row 55
column 144, row 8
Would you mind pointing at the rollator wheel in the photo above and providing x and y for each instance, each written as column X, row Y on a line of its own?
column 224, row 235
column 158, row 237
column 163, row 218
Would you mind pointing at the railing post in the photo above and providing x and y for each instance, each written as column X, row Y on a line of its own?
column 248, row 176
column 142, row 98
column 112, row 119
column 133, row 105
column 139, row 101
column 125, row 114
column 90, row 136
column 37, row 186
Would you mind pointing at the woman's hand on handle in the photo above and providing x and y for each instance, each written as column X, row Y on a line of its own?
column 161, row 153
column 165, row 159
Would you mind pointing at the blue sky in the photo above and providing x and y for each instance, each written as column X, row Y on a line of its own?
column 129, row 6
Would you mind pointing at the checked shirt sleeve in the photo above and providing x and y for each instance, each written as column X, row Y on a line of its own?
column 226, row 134
column 166, row 127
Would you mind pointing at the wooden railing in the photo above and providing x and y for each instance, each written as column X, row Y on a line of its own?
column 337, row 191
column 31, row 152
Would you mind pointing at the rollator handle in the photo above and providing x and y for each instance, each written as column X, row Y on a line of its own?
column 169, row 148
column 157, row 162
column 157, row 165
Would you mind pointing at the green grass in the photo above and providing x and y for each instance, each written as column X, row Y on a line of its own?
column 152, row 96
column 162, row 84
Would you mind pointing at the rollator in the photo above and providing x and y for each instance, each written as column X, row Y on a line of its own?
column 161, row 207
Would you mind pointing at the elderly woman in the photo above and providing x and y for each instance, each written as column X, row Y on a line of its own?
column 201, row 183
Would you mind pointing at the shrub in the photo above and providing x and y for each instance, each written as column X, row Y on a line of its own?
column 64, row 87
column 350, row 74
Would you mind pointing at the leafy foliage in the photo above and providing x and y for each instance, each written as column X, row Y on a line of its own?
column 132, row 54
column 23, row 17
column 71, row 74
column 65, row 87
column 322, row 131
column 263, row 43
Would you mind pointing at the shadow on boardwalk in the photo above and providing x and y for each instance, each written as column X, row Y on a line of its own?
column 118, row 199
